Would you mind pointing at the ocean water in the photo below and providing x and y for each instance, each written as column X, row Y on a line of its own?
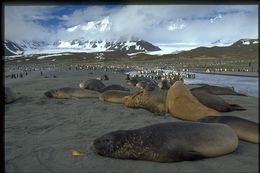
column 241, row 84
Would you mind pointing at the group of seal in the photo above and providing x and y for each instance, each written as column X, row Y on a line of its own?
column 91, row 88
column 97, row 85
column 209, row 135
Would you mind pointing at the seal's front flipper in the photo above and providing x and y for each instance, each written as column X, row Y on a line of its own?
column 236, row 107
column 183, row 155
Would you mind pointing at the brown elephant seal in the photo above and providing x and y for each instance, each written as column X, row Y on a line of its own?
column 168, row 142
column 215, row 102
column 218, row 90
column 114, row 96
column 180, row 103
column 153, row 101
column 92, row 84
column 245, row 130
column 68, row 93
column 10, row 96
column 113, row 87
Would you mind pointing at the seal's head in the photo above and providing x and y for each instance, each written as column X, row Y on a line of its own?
column 52, row 93
column 141, row 84
column 132, row 82
column 48, row 94
column 82, row 84
column 119, row 144
column 164, row 84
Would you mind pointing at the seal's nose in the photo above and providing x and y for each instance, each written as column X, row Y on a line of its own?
column 48, row 94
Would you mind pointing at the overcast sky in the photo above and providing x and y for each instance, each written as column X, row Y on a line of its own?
column 153, row 23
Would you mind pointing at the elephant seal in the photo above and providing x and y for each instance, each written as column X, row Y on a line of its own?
column 92, row 84
column 215, row 102
column 141, row 84
column 146, row 85
column 153, row 101
column 165, row 84
column 114, row 96
column 134, row 80
column 127, row 77
column 113, row 87
column 180, row 103
column 168, row 142
column 218, row 90
column 10, row 96
column 245, row 130
column 68, row 93
column 103, row 77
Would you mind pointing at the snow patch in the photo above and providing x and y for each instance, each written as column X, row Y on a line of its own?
column 45, row 56
column 245, row 42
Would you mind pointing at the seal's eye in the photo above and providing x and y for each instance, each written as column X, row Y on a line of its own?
column 107, row 140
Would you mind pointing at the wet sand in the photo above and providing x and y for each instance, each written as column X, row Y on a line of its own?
column 40, row 132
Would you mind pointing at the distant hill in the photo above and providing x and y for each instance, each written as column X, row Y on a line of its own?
column 243, row 48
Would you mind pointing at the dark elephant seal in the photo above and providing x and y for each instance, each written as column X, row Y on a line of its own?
column 168, row 142
column 246, row 130
column 146, row 85
column 165, row 84
column 215, row 102
column 180, row 103
column 68, row 93
column 10, row 96
column 134, row 80
column 103, row 77
column 92, row 84
column 218, row 90
column 153, row 101
column 113, row 87
column 114, row 96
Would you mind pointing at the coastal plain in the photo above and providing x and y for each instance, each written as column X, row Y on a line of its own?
column 41, row 133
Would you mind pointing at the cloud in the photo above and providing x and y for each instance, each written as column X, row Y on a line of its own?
column 19, row 22
column 154, row 23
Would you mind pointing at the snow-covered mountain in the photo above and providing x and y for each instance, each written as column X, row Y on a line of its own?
column 32, row 44
column 92, row 26
column 221, row 43
column 80, row 45
column 125, row 46
column 246, row 43
column 11, row 48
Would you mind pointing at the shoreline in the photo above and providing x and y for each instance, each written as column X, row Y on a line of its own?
column 242, row 74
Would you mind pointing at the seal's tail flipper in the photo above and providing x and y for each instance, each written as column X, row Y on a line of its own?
column 237, row 107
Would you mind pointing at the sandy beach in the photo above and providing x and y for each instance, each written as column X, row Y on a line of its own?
column 40, row 133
